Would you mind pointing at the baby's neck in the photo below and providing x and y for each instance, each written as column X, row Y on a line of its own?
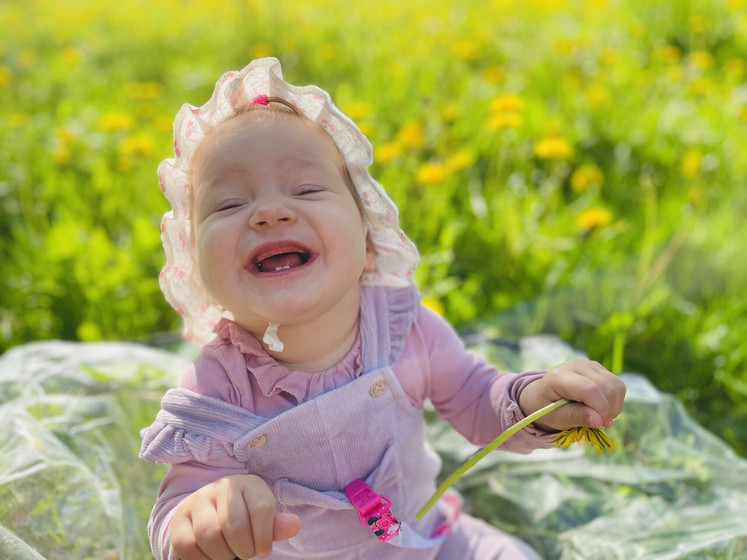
column 315, row 349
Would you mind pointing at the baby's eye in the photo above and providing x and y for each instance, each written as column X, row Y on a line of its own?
column 308, row 189
column 228, row 205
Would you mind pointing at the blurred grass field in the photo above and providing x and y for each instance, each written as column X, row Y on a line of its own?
column 572, row 167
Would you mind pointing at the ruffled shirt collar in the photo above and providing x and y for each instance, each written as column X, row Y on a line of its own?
column 273, row 377
column 386, row 317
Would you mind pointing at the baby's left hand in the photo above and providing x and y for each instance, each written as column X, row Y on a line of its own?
column 598, row 393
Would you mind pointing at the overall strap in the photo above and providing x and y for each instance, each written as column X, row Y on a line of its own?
column 387, row 315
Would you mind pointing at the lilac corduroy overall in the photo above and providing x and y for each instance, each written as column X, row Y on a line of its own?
column 367, row 429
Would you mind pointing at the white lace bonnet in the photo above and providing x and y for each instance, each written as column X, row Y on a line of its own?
column 396, row 255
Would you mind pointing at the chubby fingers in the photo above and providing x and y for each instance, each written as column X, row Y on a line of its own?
column 598, row 395
column 246, row 513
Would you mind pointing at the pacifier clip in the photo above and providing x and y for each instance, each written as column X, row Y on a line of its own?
column 375, row 512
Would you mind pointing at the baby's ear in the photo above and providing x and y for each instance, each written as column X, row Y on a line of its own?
column 370, row 255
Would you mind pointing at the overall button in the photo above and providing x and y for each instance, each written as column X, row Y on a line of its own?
column 257, row 441
column 378, row 388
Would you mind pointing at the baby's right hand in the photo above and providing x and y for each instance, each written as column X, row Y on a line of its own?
column 231, row 517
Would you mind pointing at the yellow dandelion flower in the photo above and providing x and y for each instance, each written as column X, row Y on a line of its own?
column 702, row 60
column 450, row 112
column 411, row 135
column 18, row 120
column 595, row 437
column 466, row 49
column 358, row 110
column 697, row 24
column 593, row 218
column 597, row 95
column 70, row 56
column 431, row 173
column 735, row 67
column 691, row 163
column 163, row 123
column 61, row 154
column 461, row 159
column 668, row 54
column 494, row 75
column 553, row 148
column 608, row 56
column 5, row 76
column 585, row 176
column 143, row 90
column 434, row 305
column 387, row 152
column 115, row 121
column 329, row 51
column 137, row 144
column 260, row 50
column 507, row 103
column 701, row 86
column 499, row 121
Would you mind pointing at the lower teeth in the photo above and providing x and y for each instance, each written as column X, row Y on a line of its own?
column 287, row 266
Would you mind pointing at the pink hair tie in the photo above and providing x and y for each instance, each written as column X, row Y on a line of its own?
column 261, row 99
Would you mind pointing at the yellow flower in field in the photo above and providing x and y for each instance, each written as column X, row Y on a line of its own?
column 597, row 95
column 585, row 176
column 115, row 122
column 18, row 120
column 703, row 60
column 743, row 114
column 461, row 159
column 593, row 218
column 499, row 121
column 735, row 67
column 494, row 75
column 358, row 110
column 434, row 305
column 162, row 123
column 697, row 24
column 70, row 56
column 691, row 163
column 595, row 437
column 431, row 173
column 411, row 135
column 388, row 151
column 668, row 54
column 553, row 148
column 466, row 49
column 701, row 86
column 5, row 76
column 329, row 51
column 137, row 144
column 61, row 154
column 143, row 90
column 260, row 50
column 507, row 103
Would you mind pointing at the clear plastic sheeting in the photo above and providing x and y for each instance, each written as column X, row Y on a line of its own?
column 72, row 487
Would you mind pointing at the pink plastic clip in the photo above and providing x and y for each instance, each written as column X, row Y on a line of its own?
column 373, row 510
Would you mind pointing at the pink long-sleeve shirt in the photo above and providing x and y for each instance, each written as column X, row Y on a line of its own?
column 476, row 399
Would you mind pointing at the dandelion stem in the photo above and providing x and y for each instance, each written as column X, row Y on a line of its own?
column 453, row 477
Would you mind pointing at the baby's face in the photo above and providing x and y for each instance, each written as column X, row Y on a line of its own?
column 278, row 235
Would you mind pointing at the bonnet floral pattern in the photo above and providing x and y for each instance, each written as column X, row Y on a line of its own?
column 396, row 255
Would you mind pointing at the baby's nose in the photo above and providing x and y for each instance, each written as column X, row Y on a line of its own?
column 272, row 213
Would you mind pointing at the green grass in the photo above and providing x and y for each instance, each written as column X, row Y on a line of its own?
column 572, row 167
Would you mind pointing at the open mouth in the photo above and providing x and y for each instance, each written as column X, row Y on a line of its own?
column 280, row 258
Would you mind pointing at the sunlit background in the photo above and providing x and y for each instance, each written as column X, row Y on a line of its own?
column 569, row 167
